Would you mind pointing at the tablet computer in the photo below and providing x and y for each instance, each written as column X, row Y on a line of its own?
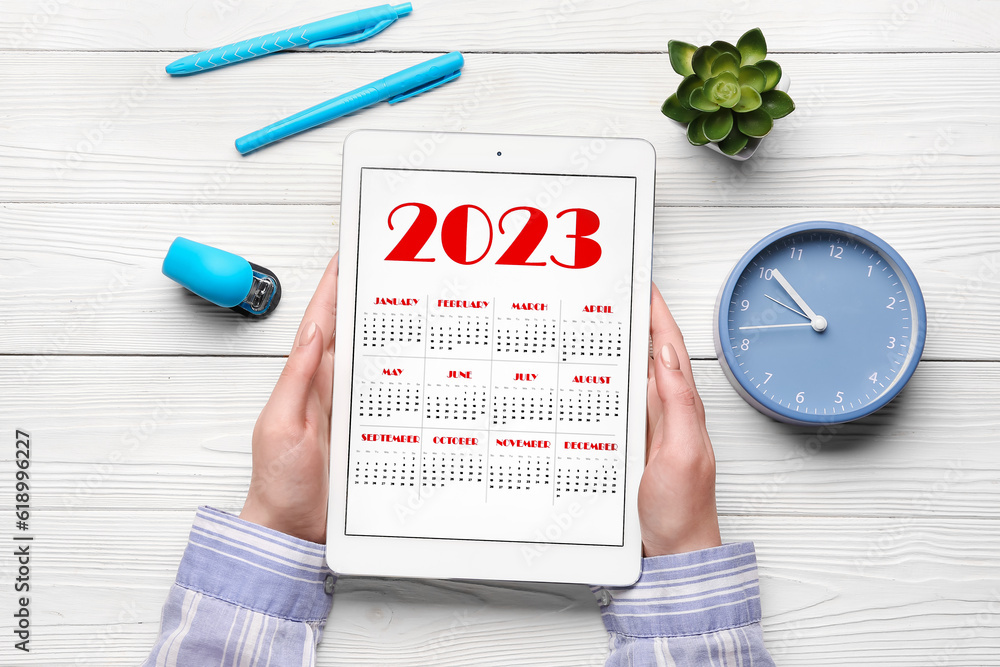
column 492, row 345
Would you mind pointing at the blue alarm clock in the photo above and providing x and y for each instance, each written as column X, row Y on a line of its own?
column 819, row 323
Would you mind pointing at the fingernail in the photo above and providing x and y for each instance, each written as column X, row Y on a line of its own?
column 668, row 357
column 307, row 335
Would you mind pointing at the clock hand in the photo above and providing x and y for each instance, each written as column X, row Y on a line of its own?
column 779, row 326
column 786, row 306
column 818, row 321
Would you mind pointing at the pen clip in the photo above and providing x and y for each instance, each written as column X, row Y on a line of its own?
column 356, row 37
column 424, row 88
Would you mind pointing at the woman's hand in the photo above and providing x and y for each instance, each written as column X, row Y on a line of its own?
column 677, row 491
column 291, row 440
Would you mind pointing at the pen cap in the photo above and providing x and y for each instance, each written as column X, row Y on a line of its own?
column 426, row 72
column 218, row 276
column 423, row 77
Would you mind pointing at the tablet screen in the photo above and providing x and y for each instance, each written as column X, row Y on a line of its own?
column 492, row 332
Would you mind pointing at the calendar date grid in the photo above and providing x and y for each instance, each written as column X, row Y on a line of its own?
column 493, row 408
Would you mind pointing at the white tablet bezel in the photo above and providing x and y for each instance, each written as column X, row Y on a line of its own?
column 463, row 559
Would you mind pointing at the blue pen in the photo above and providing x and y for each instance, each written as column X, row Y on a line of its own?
column 393, row 88
column 345, row 29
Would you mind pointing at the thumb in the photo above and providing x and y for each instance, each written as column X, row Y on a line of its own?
column 682, row 431
column 291, row 392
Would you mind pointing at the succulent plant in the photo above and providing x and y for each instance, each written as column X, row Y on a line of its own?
column 728, row 94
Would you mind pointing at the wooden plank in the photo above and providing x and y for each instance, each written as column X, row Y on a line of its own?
column 835, row 591
column 516, row 25
column 149, row 433
column 99, row 127
column 829, row 587
column 85, row 279
column 88, row 279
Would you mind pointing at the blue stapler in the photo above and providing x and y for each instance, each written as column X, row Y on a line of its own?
column 223, row 278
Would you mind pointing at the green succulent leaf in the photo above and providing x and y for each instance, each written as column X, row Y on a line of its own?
column 754, row 123
column 718, row 124
column 702, row 61
column 723, row 90
column 701, row 102
column 772, row 72
column 696, row 131
column 753, row 77
column 777, row 103
column 726, row 62
column 749, row 100
column 752, row 47
column 680, row 56
column 726, row 47
column 673, row 110
column 734, row 143
column 686, row 87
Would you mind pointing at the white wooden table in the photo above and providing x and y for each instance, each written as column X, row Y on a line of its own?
column 879, row 542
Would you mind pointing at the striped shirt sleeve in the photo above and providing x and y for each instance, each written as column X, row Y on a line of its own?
column 244, row 595
column 692, row 609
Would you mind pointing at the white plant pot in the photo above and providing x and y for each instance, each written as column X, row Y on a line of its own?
column 753, row 143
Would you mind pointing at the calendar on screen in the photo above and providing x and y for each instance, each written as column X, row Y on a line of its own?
column 492, row 329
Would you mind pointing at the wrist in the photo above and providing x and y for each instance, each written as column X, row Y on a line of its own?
column 310, row 529
column 256, row 512
column 707, row 538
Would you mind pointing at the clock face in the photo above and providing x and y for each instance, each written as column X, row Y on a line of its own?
column 820, row 323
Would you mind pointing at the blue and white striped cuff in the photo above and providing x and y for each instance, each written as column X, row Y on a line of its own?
column 256, row 568
column 686, row 594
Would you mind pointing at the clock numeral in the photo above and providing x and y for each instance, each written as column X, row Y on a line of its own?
column 794, row 250
column 745, row 305
column 769, row 376
column 869, row 270
column 892, row 302
column 892, row 343
column 836, row 251
column 765, row 273
column 800, row 397
column 873, row 377
column 840, row 397
column 745, row 345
